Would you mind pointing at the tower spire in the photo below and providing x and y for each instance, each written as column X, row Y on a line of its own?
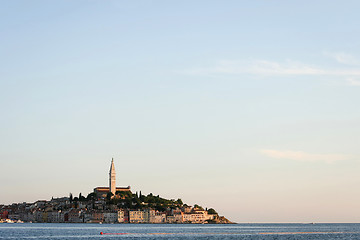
column 112, row 177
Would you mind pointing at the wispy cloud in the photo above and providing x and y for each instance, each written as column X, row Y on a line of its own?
column 343, row 58
column 303, row 156
column 270, row 68
column 264, row 67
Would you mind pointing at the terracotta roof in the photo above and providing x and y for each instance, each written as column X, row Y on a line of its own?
column 106, row 189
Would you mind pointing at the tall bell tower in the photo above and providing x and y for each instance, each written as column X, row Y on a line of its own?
column 112, row 178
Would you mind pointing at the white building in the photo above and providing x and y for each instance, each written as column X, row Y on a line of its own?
column 120, row 216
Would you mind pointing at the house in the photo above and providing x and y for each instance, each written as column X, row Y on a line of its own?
column 136, row 216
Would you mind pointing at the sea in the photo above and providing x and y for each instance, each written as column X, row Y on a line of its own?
column 80, row 231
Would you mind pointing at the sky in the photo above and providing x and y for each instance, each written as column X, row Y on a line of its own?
column 248, row 107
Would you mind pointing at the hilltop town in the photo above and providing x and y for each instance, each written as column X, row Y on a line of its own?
column 109, row 205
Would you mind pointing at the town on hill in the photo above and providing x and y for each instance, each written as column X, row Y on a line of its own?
column 110, row 205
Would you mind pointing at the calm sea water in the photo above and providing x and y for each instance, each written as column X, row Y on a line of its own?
column 179, row 231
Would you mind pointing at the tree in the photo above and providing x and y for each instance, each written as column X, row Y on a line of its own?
column 81, row 198
column 90, row 196
column 71, row 197
column 108, row 196
column 141, row 197
column 212, row 211
column 198, row 207
column 124, row 194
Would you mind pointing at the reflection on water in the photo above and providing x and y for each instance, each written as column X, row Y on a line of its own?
column 179, row 231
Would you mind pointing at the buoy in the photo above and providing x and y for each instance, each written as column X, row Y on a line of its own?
column 102, row 233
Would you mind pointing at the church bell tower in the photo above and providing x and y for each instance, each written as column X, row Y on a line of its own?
column 112, row 178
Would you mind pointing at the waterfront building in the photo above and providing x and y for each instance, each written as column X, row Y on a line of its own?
column 54, row 217
column 14, row 216
column 44, row 217
column 62, row 216
column 170, row 219
column 120, row 216
column 38, row 216
column 97, row 216
column 24, row 216
column 149, row 215
column 179, row 217
column 136, row 216
column 110, row 216
column 4, row 214
column 126, row 215
column 88, row 216
column 75, row 216
column 159, row 217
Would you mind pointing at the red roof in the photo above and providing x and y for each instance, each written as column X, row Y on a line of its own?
column 107, row 189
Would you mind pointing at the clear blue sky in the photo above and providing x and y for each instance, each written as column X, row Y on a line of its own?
column 250, row 107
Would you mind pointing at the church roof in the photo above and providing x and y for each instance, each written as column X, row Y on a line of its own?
column 106, row 189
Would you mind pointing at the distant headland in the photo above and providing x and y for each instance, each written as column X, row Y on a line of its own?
column 110, row 205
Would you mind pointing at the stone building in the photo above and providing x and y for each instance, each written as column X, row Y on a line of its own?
column 103, row 191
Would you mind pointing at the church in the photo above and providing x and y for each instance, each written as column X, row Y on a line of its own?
column 103, row 191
